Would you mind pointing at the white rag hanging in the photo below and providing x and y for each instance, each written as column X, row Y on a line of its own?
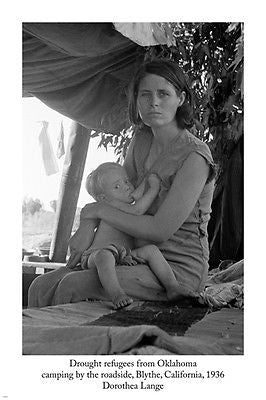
column 60, row 147
column 49, row 160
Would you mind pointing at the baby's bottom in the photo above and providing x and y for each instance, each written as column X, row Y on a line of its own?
column 103, row 260
column 163, row 272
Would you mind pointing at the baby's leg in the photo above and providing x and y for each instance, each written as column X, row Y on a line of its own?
column 105, row 264
column 163, row 272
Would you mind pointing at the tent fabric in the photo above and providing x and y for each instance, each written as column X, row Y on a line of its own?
column 81, row 70
column 144, row 34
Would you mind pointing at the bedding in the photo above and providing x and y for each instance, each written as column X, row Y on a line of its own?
column 83, row 328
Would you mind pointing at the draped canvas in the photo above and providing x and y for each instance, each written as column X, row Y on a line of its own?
column 80, row 70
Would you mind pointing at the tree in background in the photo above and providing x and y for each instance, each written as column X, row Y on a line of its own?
column 211, row 54
column 31, row 206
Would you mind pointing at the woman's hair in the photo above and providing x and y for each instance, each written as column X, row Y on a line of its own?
column 94, row 183
column 172, row 73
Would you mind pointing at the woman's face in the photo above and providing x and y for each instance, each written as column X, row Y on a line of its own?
column 157, row 101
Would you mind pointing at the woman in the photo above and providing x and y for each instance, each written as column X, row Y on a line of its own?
column 160, row 107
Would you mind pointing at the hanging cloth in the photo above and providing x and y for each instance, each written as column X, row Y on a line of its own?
column 60, row 147
column 49, row 160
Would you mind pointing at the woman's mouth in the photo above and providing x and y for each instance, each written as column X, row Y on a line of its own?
column 154, row 114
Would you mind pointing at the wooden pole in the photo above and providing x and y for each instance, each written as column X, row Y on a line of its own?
column 74, row 163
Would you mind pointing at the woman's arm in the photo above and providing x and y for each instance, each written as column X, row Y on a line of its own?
column 178, row 204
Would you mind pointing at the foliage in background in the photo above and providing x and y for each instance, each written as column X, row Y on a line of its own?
column 39, row 222
column 39, row 227
column 211, row 54
column 31, row 206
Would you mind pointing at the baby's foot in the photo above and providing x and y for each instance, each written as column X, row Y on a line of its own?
column 177, row 292
column 122, row 300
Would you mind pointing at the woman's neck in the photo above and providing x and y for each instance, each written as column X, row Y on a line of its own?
column 164, row 135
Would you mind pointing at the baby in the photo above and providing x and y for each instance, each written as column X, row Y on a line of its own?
column 108, row 247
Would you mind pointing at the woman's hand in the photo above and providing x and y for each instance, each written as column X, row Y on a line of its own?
column 74, row 259
column 81, row 241
column 77, row 246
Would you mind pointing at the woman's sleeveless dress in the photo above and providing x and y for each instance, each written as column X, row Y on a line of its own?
column 187, row 251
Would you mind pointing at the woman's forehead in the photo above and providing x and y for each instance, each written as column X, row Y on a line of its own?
column 151, row 81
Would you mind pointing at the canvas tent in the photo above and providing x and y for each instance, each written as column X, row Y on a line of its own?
column 79, row 69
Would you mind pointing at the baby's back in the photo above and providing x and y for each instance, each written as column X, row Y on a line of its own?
column 107, row 235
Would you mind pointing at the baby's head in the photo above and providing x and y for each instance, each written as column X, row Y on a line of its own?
column 109, row 181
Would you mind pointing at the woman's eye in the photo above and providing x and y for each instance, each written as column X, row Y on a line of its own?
column 162, row 94
column 144, row 94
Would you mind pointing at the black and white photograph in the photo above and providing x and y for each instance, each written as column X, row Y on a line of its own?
column 145, row 247
column 130, row 248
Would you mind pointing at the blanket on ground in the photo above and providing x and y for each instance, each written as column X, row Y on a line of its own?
column 69, row 329
column 101, row 340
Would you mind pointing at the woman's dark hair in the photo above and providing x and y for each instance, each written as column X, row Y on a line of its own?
column 172, row 73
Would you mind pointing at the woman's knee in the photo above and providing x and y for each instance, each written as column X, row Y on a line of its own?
column 39, row 290
column 78, row 286
column 33, row 292
column 69, row 282
column 67, row 289
column 38, row 284
column 45, row 281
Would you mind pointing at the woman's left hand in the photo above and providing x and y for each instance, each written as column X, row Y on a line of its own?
column 91, row 211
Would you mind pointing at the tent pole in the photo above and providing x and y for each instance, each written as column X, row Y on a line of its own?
column 74, row 163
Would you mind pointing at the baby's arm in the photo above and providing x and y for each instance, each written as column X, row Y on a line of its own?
column 142, row 204
column 81, row 241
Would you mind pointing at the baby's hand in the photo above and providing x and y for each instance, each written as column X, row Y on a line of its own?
column 154, row 181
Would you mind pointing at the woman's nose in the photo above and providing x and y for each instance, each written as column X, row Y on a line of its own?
column 154, row 101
